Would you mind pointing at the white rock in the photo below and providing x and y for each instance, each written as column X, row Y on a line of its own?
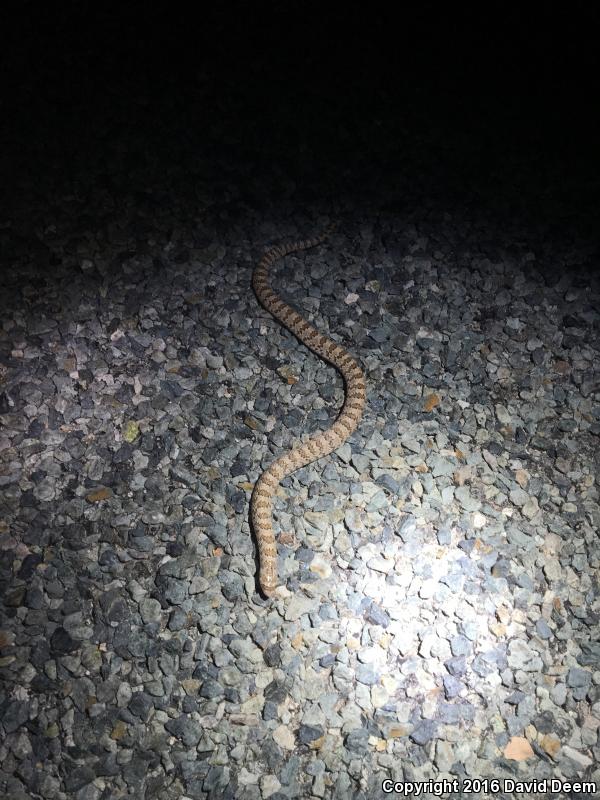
column 284, row 737
column 269, row 785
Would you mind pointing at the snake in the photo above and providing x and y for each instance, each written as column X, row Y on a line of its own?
column 318, row 445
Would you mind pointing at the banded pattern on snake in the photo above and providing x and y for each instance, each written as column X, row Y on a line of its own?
column 318, row 445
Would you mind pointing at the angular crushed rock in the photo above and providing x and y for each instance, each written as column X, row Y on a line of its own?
column 440, row 569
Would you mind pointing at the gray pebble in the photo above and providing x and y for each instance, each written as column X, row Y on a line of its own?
column 424, row 732
column 357, row 741
column 577, row 677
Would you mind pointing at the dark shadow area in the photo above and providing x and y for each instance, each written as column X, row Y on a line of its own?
column 299, row 106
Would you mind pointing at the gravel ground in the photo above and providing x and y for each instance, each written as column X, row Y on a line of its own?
column 441, row 615
column 441, row 612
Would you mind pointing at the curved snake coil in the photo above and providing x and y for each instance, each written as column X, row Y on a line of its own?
column 321, row 444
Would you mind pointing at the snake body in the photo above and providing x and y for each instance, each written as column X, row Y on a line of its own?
column 321, row 444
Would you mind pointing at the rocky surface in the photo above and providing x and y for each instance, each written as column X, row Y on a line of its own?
column 441, row 568
column 440, row 612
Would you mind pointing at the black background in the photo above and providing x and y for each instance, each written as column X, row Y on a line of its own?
column 375, row 104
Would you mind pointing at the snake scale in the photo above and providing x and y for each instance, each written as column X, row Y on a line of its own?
column 318, row 445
